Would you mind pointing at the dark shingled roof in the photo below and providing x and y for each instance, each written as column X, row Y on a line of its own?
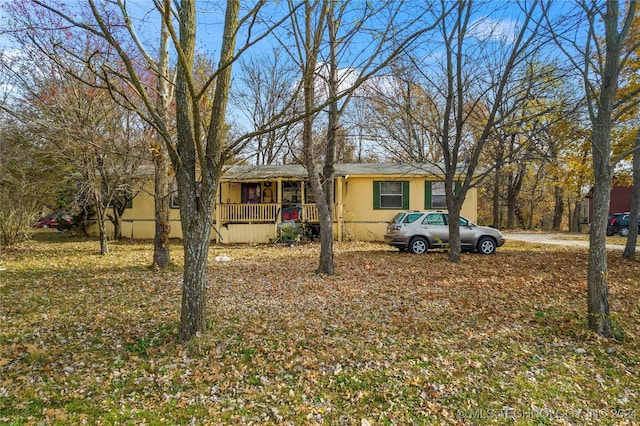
column 297, row 171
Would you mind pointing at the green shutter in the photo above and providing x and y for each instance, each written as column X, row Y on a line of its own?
column 376, row 195
column 405, row 195
column 458, row 186
column 427, row 195
column 129, row 204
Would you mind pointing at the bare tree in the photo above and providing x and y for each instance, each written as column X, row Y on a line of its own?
column 84, row 129
column 401, row 114
column 522, row 141
column 29, row 178
column 57, row 38
column 202, row 145
column 467, row 87
column 599, row 58
column 160, row 152
column 328, row 39
column 265, row 95
column 91, row 133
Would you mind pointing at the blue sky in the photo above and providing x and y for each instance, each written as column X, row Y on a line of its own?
column 500, row 26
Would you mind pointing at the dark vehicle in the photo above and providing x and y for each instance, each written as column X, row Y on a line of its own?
column 418, row 232
column 619, row 224
column 54, row 221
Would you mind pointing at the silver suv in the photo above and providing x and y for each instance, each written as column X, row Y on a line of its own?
column 418, row 232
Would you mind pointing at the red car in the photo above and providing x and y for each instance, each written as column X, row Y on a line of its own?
column 52, row 221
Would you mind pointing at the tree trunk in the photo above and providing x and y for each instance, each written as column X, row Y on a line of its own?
column 511, row 215
column 101, row 214
column 104, row 240
column 632, row 239
column 519, row 214
column 453, row 206
column 496, row 196
column 311, row 42
column 599, row 318
column 326, row 264
column 601, row 114
column 102, row 228
column 575, row 216
column 325, row 209
column 194, row 222
column 558, row 210
column 161, row 160
column 197, row 239
column 197, row 187
column 117, row 224
column 162, row 197
column 513, row 193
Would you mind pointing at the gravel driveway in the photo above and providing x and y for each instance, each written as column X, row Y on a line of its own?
column 551, row 238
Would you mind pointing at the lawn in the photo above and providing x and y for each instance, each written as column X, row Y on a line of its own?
column 392, row 338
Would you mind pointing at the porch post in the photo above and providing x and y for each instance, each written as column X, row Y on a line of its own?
column 279, row 201
column 279, row 198
column 338, row 207
column 216, row 213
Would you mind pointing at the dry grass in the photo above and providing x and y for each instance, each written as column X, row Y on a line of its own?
column 391, row 339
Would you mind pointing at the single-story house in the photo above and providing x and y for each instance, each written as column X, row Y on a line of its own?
column 254, row 200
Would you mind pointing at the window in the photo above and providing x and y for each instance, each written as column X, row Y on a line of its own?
column 128, row 204
column 398, row 218
column 435, row 196
column 438, row 197
column 174, row 203
column 412, row 217
column 391, row 194
column 434, row 219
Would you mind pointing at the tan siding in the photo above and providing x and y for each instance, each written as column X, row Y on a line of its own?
column 360, row 220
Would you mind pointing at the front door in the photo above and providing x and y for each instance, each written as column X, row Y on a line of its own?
column 250, row 193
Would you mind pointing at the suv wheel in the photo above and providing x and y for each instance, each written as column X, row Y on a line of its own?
column 418, row 245
column 624, row 231
column 486, row 245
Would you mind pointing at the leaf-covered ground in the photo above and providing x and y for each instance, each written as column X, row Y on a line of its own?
column 393, row 338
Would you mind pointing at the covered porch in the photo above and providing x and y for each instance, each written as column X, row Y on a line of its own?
column 254, row 200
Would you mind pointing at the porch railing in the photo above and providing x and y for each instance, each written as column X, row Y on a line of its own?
column 265, row 213
column 309, row 213
column 249, row 213
column 262, row 213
